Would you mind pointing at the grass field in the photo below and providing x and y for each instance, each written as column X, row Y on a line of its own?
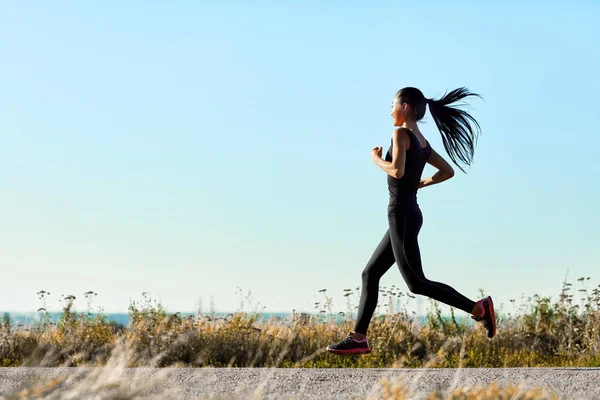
column 543, row 333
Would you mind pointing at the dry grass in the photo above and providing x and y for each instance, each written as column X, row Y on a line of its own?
column 108, row 383
column 541, row 333
column 398, row 390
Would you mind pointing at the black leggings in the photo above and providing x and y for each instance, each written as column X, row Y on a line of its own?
column 400, row 245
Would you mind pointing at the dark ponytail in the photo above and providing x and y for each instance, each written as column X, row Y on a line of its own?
column 458, row 136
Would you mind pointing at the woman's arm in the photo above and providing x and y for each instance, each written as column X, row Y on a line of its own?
column 400, row 143
column 444, row 172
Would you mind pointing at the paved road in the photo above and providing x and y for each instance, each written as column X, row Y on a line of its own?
column 304, row 383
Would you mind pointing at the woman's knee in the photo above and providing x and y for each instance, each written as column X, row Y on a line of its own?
column 369, row 276
column 416, row 286
column 365, row 276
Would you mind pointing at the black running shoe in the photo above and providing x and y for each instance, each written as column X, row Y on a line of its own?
column 488, row 319
column 349, row 345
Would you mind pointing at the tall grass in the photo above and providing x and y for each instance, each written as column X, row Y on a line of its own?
column 398, row 390
column 540, row 333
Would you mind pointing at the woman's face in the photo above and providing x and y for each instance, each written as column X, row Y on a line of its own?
column 398, row 112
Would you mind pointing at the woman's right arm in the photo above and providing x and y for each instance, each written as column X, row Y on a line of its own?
column 444, row 172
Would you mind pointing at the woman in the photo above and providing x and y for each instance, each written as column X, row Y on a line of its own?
column 404, row 162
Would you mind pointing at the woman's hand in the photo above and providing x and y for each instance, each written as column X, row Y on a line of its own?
column 376, row 152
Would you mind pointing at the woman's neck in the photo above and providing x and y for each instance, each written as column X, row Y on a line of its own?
column 415, row 130
column 412, row 125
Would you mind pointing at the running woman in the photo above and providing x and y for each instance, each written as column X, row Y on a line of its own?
column 404, row 162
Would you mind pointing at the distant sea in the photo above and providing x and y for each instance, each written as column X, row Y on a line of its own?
column 24, row 320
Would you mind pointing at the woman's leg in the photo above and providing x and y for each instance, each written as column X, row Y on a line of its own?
column 379, row 263
column 404, row 230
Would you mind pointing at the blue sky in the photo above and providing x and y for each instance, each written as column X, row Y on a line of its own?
column 188, row 149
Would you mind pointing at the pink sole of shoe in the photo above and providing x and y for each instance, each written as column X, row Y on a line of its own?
column 349, row 352
column 493, row 316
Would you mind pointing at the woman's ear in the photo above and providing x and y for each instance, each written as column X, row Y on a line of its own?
column 404, row 108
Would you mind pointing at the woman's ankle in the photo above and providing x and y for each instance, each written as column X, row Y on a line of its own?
column 358, row 336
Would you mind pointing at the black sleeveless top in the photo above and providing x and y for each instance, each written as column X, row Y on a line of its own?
column 403, row 191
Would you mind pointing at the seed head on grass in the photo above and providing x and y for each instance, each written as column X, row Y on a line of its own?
column 541, row 332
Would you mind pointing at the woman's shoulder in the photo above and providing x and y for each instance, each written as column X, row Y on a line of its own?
column 402, row 134
column 405, row 136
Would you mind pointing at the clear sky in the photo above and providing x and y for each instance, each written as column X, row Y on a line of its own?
column 186, row 149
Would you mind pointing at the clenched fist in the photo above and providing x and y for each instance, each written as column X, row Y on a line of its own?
column 376, row 152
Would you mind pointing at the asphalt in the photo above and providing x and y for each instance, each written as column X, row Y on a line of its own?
column 283, row 383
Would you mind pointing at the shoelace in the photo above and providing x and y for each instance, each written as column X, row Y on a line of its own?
column 349, row 339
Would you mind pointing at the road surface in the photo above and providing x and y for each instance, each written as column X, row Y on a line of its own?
column 297, row 383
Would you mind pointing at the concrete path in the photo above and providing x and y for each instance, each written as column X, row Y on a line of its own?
column 296, row 383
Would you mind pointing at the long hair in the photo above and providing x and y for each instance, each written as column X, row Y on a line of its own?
column 454, row 124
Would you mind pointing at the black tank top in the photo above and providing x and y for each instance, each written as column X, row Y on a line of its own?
column 403, row 191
